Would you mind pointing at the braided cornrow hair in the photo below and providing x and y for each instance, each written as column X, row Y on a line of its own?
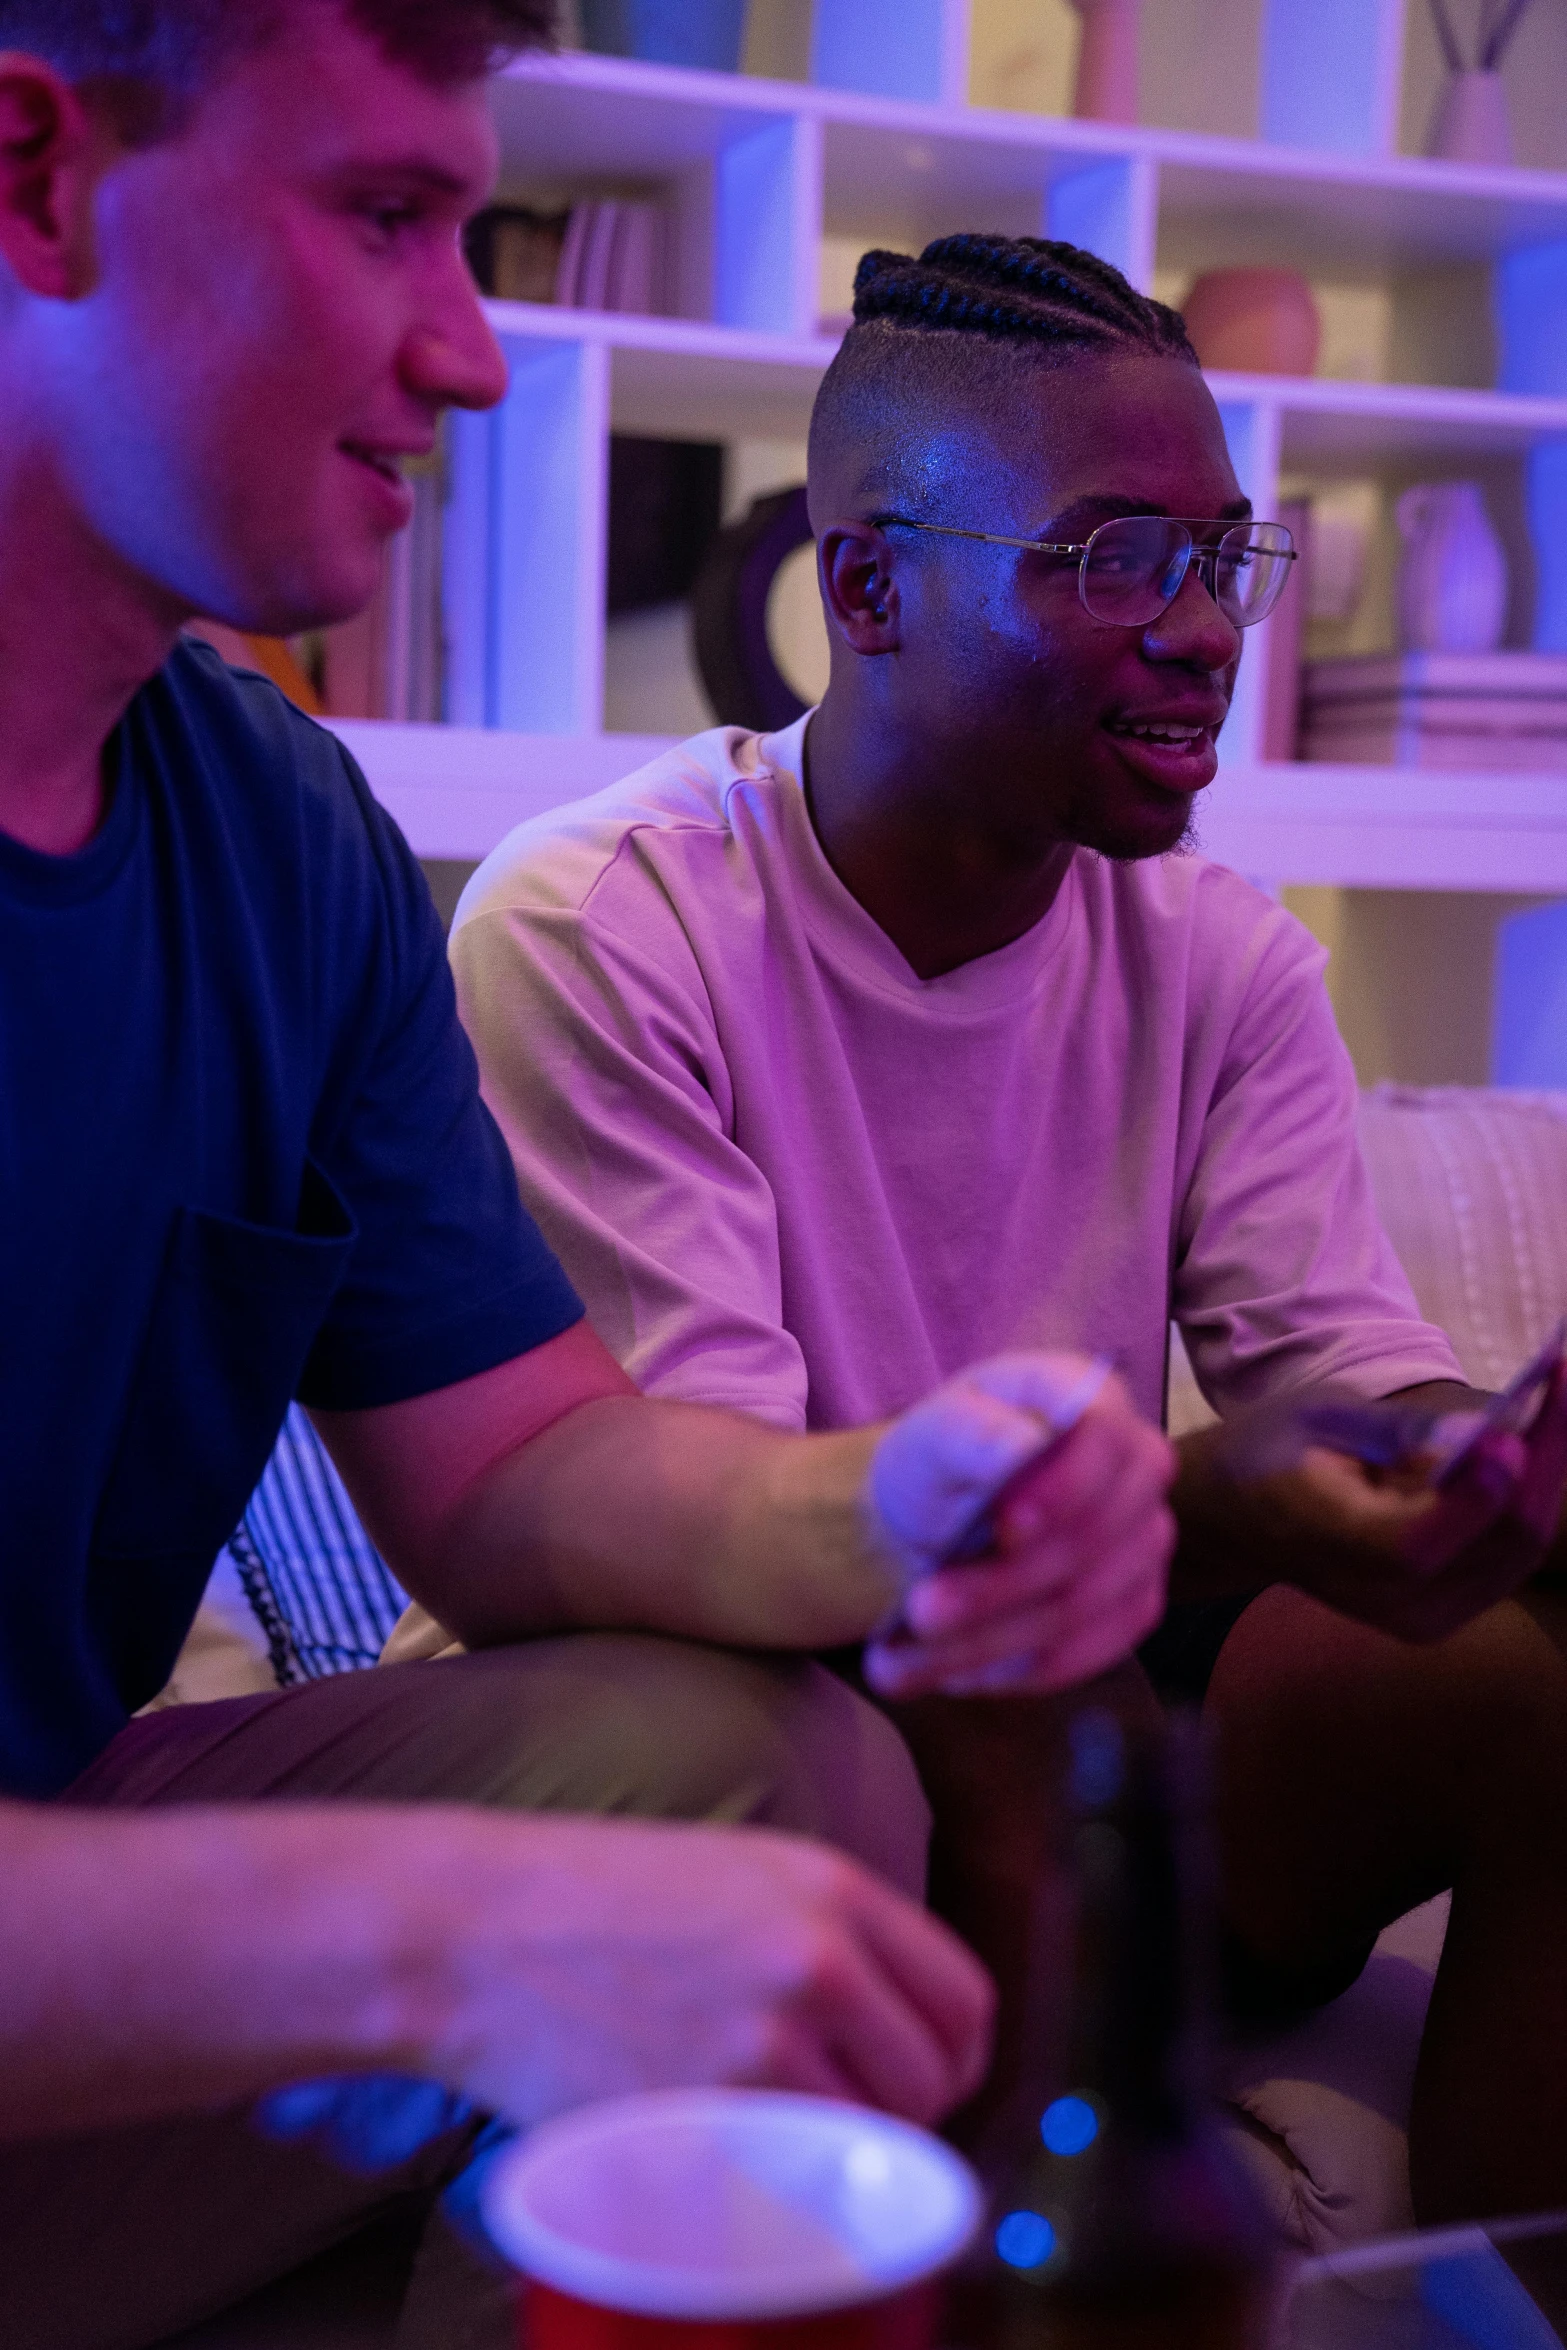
column 1016, row 289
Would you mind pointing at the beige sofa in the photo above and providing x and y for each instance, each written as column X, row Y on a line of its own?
column 1473, row 1188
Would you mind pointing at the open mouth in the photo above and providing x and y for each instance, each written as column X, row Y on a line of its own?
column 1175, row 753
column 1165, row 733
column 387, row 467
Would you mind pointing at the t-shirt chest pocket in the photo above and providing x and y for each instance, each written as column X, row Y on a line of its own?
column 235, row 1314
column 237, row 1309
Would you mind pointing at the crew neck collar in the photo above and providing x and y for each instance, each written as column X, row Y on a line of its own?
column 37, row 877
column 840, row 923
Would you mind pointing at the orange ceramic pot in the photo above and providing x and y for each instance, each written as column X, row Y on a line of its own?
column 1256, row 321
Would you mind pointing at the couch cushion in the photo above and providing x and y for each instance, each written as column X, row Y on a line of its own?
column 1472, row 1187
column 1322, row 2108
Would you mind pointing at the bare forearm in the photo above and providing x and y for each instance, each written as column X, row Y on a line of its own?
column 152, row 1967
column 667, row 1518
column 156, row 1966
column 1227, row 1539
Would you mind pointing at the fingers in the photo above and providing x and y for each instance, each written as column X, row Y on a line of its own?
column 936, row 1468
column 939, row 1976
column 1050, row 1640
column 1454, row 1551
column 1082, row 1540
column 793, row 2056
column 1466, row 1509
column 1111, row 1462
column 891, row 2009
column 1539, row 1501
column 1045, row 1553
column 1499, row 1514
column 944, row 1463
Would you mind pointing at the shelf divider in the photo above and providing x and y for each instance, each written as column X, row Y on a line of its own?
column 894, row 48
column 1332, row 74
column 1111, row 209
column 1531, row 317
column 768, row 228
column 525, row 547
column 1252, row 429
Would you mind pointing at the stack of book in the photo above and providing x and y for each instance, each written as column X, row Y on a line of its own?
column 390, row 661
column 603, row 254
column 1506, row 710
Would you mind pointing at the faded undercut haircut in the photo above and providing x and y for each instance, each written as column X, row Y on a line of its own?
column 929, row 334
column 164, row 52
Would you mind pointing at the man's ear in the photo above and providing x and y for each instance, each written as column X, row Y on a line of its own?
column 48, row 151
column 859, row 592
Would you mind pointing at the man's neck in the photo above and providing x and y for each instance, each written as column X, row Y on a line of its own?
column 79, row 636
column 944, row 891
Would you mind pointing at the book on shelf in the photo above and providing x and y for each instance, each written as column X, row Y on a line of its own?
column 605, row 253
column 514, row 252
column 388, row 661
column 1454, row 710
column 1287, row 638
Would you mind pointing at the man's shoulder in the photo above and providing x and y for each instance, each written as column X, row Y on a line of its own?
column 1209, row 915
column 235, row 731
column 264, row 794
column 575, row 855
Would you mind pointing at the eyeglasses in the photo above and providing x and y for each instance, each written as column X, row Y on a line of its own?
column 1130, row 570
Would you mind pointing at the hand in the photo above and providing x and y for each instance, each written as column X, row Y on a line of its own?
column 595, row 1957
column 1076, row 1574
column 1371, row 1537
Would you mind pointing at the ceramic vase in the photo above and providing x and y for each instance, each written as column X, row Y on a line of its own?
column 1452, row 584
column 1106, row 86
column 1471, row 122
column 1256, row 321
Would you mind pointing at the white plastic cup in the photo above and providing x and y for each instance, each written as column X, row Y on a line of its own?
column 734, row 2216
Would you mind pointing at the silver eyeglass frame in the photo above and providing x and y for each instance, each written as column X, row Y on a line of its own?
column 1196, row 554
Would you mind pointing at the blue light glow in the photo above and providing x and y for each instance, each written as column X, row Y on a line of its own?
column 1025, row 2239
column 1069, row 2125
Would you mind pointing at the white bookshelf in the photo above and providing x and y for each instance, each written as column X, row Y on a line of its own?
column 766, row 179
column 455, row 790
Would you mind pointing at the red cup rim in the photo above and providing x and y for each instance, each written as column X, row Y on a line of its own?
column 646, row 2288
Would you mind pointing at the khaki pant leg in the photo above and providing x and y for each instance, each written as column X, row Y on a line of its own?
column 113, row 2241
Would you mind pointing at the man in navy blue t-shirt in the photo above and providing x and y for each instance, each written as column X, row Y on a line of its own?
column 243, row 1159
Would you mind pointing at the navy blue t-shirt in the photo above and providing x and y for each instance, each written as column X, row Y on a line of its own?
column 242, row 1158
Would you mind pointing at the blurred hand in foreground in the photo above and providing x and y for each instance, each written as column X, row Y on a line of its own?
column 626, row 1955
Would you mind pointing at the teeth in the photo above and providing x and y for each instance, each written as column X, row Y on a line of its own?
column 1164, row 734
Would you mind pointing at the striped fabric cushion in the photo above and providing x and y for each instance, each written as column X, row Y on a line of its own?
column 321, row 1591
column 1472, row 1185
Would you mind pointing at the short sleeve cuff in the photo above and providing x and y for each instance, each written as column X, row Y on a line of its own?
column 360, row 1370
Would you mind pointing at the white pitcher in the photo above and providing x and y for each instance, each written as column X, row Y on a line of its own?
column 1452, row 585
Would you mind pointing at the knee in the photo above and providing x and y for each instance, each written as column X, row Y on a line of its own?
column 839, row 1770
column 636, row 1725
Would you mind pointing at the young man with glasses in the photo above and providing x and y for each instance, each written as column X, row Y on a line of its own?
column 832, row 1057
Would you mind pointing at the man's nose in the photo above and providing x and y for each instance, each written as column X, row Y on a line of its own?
column 452, row 360
column 1194, row 627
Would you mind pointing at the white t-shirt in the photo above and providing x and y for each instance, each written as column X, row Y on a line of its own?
column 789, row 1176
